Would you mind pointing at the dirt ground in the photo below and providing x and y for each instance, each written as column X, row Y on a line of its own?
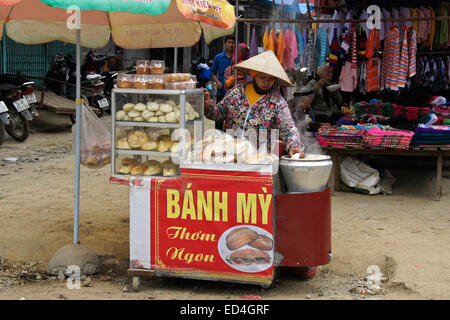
column 405, row 234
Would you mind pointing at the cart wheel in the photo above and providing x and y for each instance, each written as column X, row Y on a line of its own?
column 306, row 272
column 135, row 283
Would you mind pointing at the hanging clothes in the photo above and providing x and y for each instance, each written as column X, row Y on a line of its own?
column 310, row 55
column 280, row 46
column 291, row 50
column 266, row 39
column 273, row 38
column 373, row 45
column 322, row 46
column 300, row 48
column 391, row 60
column 412, row 52
column 253, row 44
column 334, row 50
column 349, row 76
column 403, row 69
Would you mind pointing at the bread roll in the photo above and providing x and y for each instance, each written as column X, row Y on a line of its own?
column 153, row 119
column 120, row 115
column 150, row 146
column 162, row 119
column 140, row 107
column 138, row 170
column 240, row 237
column 152, row 106
column 166, row 108
column 129, row 161
column 125, row 169
column 138, row 119
column 153, row 170
column 123, row 144
column 134, row 114
column 262, row 243
column 128, row 107
column 150, row 163
column 163, row 137
column 164, row 146
column 170, row 117
column 137, row 138
column 159, row 113
column 170, row 171
column 147, row 114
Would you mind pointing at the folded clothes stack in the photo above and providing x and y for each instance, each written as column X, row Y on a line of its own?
column 427, row 135
column 338, row 136
column 373, row 108
column 394, row 139
column 412, row 113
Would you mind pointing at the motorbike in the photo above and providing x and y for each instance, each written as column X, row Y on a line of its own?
column 63, row 69
column 18, row 112
column 26, row 87
column 4, row 120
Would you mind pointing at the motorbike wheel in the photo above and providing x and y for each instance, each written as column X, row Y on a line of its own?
column 18, row 127
column 2, row 133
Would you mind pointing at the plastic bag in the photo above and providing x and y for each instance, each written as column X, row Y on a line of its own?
column 95, row 140
column 360, row 176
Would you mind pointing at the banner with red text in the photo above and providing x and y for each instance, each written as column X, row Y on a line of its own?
column 213, row 224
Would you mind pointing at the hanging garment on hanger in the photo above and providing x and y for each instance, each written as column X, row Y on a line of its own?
column 300, row 47
column 305, row 46
column 266, row 39
column 322, row 46
column 403, row 69
column 253, row 44
column 345, row 46
column 291, row 50
column 349, row 76
column 310, row 55
column 281, row 45
column 373, row 45
column 273, row 37
column 334, row 50
column 332, row 27
column 441, row 37
column 391, row 60
column 412, row 52
column 364, row 15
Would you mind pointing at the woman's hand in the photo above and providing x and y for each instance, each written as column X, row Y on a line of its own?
column 293, row 151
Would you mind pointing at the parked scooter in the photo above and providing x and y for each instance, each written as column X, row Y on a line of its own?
column 4, row 120
column 19, row 112
column 27, row 88
column 63, row 69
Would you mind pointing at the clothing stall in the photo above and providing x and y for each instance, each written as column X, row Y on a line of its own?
column 393, row 74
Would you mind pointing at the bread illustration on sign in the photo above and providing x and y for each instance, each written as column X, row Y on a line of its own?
column 248, row 257
column 240, row 237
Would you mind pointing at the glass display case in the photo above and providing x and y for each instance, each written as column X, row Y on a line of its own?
column 149, row 129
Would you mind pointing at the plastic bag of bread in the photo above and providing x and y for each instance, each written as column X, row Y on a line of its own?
column 95, row 140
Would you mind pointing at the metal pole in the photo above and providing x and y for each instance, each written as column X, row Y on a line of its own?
column 77, row 135
column 5, row 39
column 237, row 42
column 175, row 60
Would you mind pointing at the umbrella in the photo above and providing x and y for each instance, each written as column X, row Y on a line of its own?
column 172, row 24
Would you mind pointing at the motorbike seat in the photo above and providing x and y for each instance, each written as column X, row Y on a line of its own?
column 4, row 87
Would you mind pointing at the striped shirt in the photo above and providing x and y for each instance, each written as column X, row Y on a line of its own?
column 412, row 52
column 391, row 61
column 403, row 70
column 373, row 45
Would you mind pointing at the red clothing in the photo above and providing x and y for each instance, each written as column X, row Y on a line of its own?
column 373, row 45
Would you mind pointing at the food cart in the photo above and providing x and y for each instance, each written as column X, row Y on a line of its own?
column 233, row 222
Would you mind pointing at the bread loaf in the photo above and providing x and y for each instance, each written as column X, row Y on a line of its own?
column 240, row 237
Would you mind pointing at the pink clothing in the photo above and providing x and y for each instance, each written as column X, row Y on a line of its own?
column 291, row 50
column 349, row 74
column 423, row 26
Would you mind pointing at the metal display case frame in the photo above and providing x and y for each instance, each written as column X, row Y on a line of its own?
column 182, row 124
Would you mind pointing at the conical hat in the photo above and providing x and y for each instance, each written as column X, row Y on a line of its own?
column 266, row 63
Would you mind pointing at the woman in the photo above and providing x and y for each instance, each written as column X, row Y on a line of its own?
column 258, row 105
column 325, row 104
column 229, row 72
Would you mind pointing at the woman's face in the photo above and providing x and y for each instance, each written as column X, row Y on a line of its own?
column 327, row 74
column 265, row 81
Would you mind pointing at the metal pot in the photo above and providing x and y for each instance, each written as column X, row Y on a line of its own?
column 306, row 175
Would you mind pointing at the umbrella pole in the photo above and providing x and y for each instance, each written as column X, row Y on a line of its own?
column 175, row 60
column 77, row 139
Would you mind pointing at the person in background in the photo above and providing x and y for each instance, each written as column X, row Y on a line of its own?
column 203, row 72
column 220, row 63
column 229, row 74
column 325, row 102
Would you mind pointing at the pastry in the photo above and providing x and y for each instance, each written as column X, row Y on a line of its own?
column 170, row 171
column 146, row 115
column 124, row 81
column 240, row 237
column 123, row 144
column 134, row 114
column 140, row 107
column 129, row 161
column 150, row 145
column 138, row 119
column 164, row 146
column 163, row 137
column 170, row 117
column 153, row 170
column 125, row 169
column 137, row 138
column 120, row 115
column 128, row 107
column 152, row 106
column 162, row 119
column 138, row 170
column 166, row 108
column 150, row 163
column 153, row 119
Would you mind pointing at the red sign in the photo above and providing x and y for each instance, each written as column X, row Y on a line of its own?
column 214, row 224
